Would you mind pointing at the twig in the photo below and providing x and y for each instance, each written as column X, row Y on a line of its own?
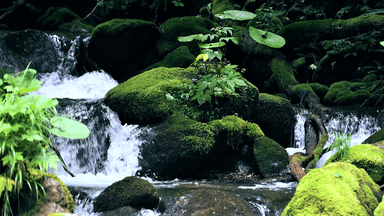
column 286, row 14
column 382, row 186
column 371, row 96
column 377, row 84
column 62, row 161
column 98, row 3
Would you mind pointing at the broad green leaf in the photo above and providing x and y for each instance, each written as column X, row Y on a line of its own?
column 267, row 38
column 6, row 184
column 211, row 45
column 233, row 39
column 1, row 82
column 169, row 96
column 201, row 37
column 202, row 56
column 236, row 15
column 188, row 38
column 382, row 43
column 14, row 109
column 32, row 135
column 69, row 128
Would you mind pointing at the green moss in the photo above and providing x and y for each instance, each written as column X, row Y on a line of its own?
column 299, row 33
column 76, row 26
column 118, row 26
column 268, row 98
column 54, row 17
column 349, row 93
column 184, row 26
column 270, row 156
column 142, row 99
column 319, row 150
column 219, row 6
column 319, row 89
column 369, row 78
column 368, row 157
column 300, row 62
column 283, row 74
column 71, row 204
column 336, row 189
column 376, row 137
column 303, row 88
column 379, row 211
column 236, row 130
column 180, row 57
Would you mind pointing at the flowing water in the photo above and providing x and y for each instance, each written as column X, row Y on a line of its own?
column 111, row 151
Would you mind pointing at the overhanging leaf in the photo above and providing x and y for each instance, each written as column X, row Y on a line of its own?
column 69, row 128
column 382, row 43
column 236, row 15
column 267, row 38
column 188, row 38
column 211, row 45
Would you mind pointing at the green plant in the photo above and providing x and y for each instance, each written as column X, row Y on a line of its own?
column 341, row 144
column 27, row 124
column 338, row 174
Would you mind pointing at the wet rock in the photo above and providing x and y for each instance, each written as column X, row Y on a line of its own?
column 123, row 211
column 209, row 202
column 21, row 47
column 131, row 191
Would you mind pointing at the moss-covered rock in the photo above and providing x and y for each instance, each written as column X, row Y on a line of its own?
column 350, row 93
column 283, row 75
column 57, row 196
column 77, row 26
column 319, row 89
column 271, row 157
column 209, row 202
column 276, row 118
column 368, row 157
column 304, row 89
column 219, row 6
column 55, row 17
column 300, row 33
column 379, row 211
column 182, row 26
column 336, row 189
column 142, row 100
column 176, row 148
column 123, row 47
column 131, row 191
column 376, row 137
column 180, row 57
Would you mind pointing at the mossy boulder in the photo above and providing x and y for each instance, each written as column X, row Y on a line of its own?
column 376, row 137
column 379, row 211
column 123, row 47
column 283, row 75
column 368, row 157
column 55, row 17
column 76, row 26
column 180, row 57
column 176, row 148
column 203, row 202
column 276, row 117
column 271, row 158
column 142, row 99
column 351, row 93
column 219, row 6
column 131, row 191
column 320, row 90
column 336, row 189
column 182, row 26
column 182, row 148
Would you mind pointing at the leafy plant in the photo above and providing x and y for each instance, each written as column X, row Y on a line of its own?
column 341, row 144
column 338, row 174
column 27, row 123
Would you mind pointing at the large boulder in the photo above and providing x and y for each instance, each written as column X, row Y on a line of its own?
column 379, row 211
column 184, row 148
column 55, row 17
column 376, row 137
column 368, row 157
column 123, row 47
column 131, row 191
column 336, row 189
column 276, row 118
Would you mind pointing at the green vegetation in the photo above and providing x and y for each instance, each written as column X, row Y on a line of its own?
column 350, row 192
column 341, row 144
column 27, row 124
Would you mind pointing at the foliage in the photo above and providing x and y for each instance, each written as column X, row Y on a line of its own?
column 27, row 124
column 341, row 144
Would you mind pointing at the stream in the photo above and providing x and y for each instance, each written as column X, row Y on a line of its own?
column 111, row 151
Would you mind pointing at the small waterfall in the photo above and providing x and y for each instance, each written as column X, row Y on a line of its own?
column 358, row 123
